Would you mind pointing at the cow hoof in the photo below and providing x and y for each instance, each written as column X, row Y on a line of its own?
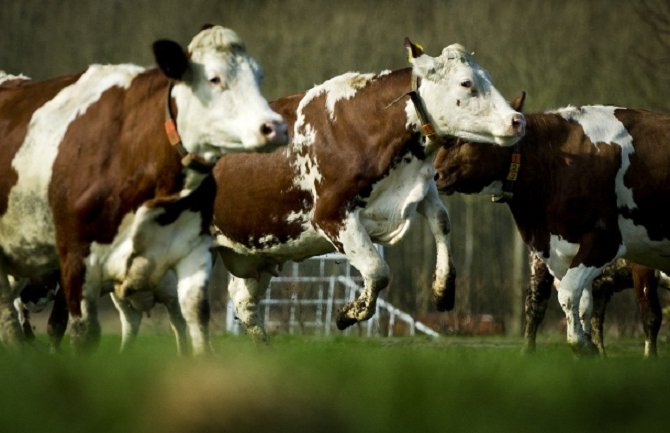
column 343, row 321
column 258, row 335
column 584, row 348
column 445, row 302
column 355, row 312
column 528, row 349
column 84, row 336
column 446, row 299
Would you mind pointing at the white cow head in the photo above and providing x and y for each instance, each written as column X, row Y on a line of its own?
column 220, row 108
column 460, row 99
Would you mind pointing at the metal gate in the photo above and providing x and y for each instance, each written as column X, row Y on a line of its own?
column 306, row 295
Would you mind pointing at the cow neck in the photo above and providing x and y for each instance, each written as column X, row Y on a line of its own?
column 507, row 193
column 426, row 126
column 188, row 160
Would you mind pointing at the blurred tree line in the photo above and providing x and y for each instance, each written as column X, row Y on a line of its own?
column 568, row 52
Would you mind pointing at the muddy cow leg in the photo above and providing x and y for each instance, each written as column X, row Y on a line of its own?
column 363, row 255
column 645, row 283
column 537, row 300
column 11, row 331
column 601, row 297
column 246, row 294
column 82, row 301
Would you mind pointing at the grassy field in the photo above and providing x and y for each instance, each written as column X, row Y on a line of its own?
column 338, row 384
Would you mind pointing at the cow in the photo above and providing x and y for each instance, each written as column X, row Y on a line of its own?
column 617, row 276
column 357, row 170
column 584, row 187
column 107, row 177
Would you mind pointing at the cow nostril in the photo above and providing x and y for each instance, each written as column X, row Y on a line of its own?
column 267, row 129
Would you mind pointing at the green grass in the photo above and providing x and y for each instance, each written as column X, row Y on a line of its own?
column 338, row 384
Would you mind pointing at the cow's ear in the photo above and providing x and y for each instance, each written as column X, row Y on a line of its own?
column 422, row 63
column 171, row 58
column 413, row 50
column 517, row 103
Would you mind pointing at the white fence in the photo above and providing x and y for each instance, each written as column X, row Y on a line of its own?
column 304, row 298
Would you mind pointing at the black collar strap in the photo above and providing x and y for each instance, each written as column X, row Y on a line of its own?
column 188, row 160
column 507, row 193
column 426, row 127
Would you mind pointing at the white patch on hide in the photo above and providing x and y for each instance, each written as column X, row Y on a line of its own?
column 641, row 249
column 304, row 135
column 392, row 204
column 28, row 199
column 343, row 86
column 7, row 77
column 600, row 125
column 561, row 253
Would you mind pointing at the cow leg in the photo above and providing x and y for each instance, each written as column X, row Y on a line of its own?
column 166, row 294
column 537, row 300
column 11, row 331
column 57, row 323
column 168, row 297
column 575, row 298
column 193, row 273
column 24, row 320
column 645, row 283
column 586, row 312
column 362, row 254
column 601, row 297
column 178, row 325
column 81, row 289
column 130, row 321
column 85, row 328
column 246, row 294
column 444, row 280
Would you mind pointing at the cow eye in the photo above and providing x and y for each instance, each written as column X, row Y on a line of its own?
column 215, row 80
column 466, row 84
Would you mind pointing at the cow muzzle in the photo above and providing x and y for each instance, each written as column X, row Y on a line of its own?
column 518, row 126
column 275, row 132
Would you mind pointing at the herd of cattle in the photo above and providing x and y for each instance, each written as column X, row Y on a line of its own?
column 114, row 181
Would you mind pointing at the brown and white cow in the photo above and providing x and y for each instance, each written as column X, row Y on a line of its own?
column 107, row 175
column 355, row 173
column 584, row 186
column 617, row 276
